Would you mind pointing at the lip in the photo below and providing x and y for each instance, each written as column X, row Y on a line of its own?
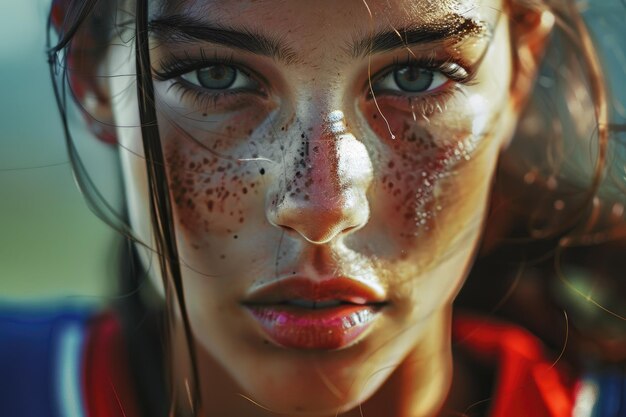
column 300, row 313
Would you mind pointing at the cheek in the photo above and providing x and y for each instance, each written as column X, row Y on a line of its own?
column 212, row 188
column 418, row 169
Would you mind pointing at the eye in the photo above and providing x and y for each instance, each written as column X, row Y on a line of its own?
column 220, row 77
column 410, row 79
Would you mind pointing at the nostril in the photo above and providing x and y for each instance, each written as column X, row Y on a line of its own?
column 350, row 228
column 317, row 226
column 288, row 229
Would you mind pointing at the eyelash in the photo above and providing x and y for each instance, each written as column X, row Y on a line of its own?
column 451, row 69
column 426, row 104
column 173, row 67
column 447, row 66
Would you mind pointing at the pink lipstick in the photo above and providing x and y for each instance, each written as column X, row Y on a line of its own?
column 299, row 313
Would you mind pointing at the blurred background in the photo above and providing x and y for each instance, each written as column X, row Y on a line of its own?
column 51, row 245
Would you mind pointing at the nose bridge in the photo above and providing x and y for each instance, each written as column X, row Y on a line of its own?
column 325, row 160
column 324, row 193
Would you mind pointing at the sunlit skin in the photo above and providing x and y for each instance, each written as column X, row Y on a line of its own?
column 316, row 165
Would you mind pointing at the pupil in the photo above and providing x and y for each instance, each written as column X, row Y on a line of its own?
column 217, row 77
column 413, row 79
column 217, row 73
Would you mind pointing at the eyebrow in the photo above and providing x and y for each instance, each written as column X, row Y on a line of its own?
column 452, row 27
column 181, row 28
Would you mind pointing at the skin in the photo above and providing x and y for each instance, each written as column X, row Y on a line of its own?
column 309, row 175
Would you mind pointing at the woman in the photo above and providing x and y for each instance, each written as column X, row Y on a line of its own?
column 307, row 185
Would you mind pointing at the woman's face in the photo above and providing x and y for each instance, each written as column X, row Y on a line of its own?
column 330, row 165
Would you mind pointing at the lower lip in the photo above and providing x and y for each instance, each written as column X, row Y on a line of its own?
column 309, row 329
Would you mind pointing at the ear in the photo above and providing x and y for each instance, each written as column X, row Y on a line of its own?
column 84, row 58
column 530, row 28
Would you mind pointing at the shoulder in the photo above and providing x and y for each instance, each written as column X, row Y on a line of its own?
column 530, row 380
column 64, row 362
column 40, row 360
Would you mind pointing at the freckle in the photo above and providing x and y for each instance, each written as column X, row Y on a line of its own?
column 262, row 171
column 241, row 220
column 222, row 256
column 390, row 184
column 306, row 197
column 374, row 116
column 192, row 165
column 210, row 205
column 252, row 185
column 235, row 237
column 391, row 164
column 245, row 190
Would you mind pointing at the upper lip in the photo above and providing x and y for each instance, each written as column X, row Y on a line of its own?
column 347, row 290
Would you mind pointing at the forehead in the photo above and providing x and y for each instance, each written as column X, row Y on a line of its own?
column 332, row 16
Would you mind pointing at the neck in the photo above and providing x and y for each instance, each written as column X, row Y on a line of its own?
column 417, row 388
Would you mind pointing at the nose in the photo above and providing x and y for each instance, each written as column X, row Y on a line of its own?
column 323, row 190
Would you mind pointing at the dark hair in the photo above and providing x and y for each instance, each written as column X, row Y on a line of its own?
column 84, row 30
column 79, row 12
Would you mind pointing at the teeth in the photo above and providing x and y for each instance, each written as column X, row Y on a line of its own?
column 314, row 304
column 358, row 300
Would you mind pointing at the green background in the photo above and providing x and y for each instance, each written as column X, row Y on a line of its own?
column 51, row 245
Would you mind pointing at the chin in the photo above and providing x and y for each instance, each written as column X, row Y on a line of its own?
column 321, row 383
column 312, row 397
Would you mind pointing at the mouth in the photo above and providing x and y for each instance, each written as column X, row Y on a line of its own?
column 298, row 313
